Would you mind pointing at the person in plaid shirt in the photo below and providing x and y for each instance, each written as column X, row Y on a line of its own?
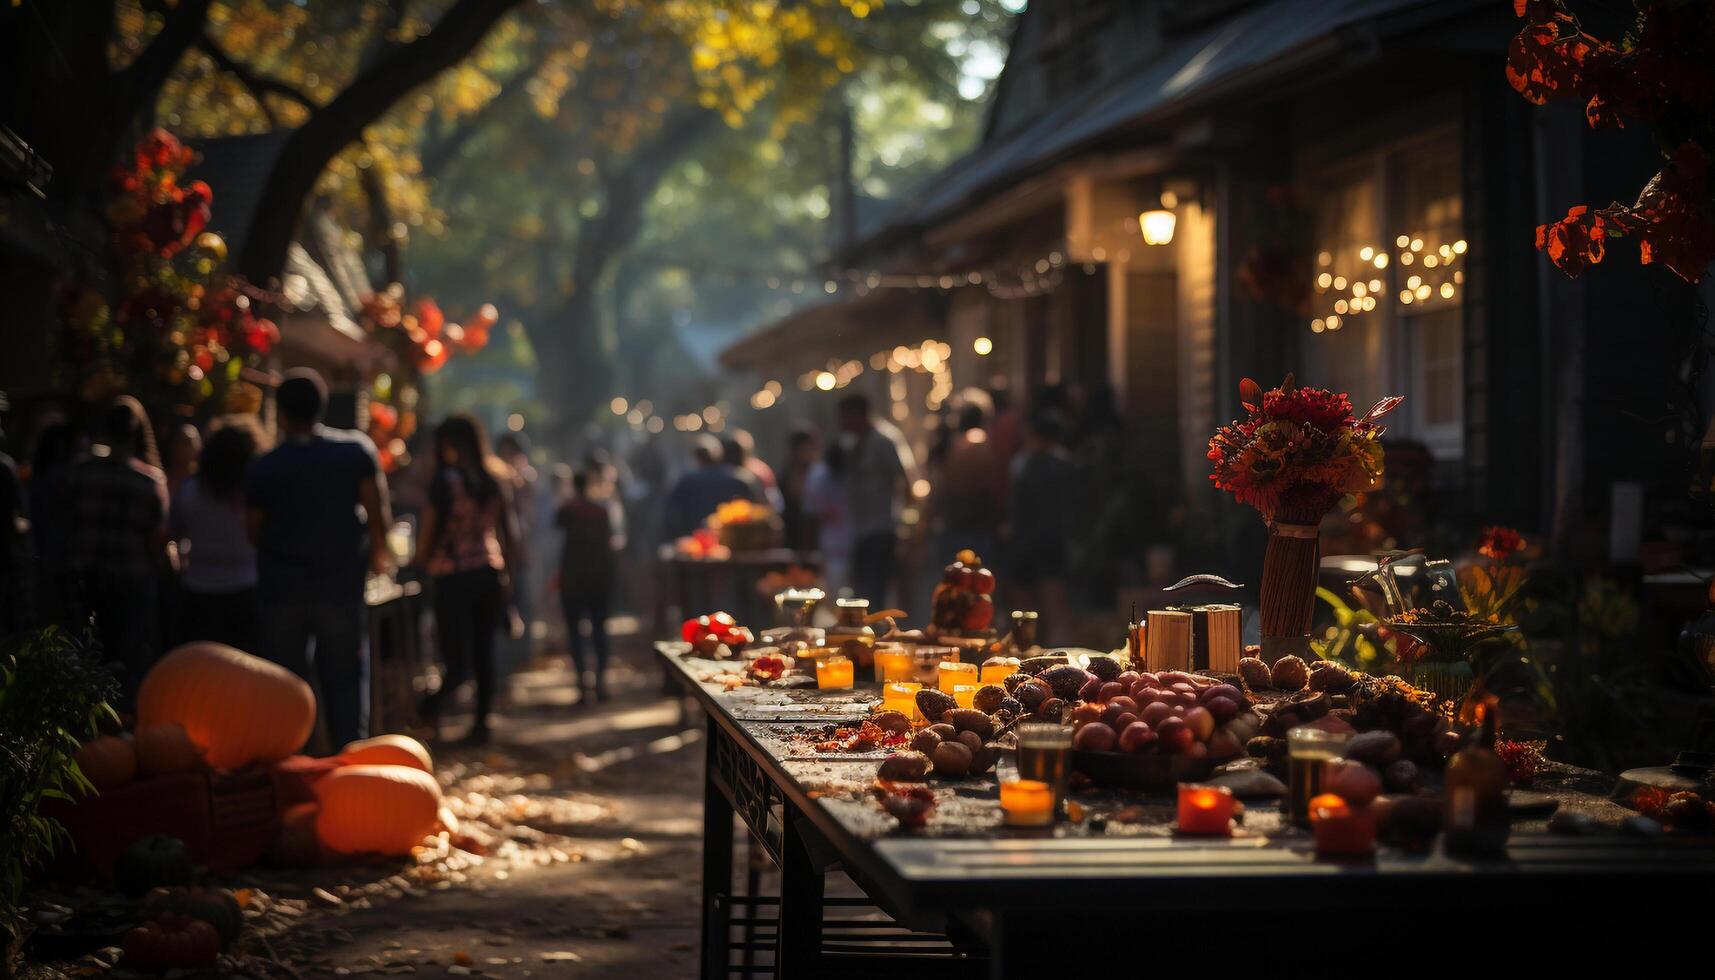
column 116, row 509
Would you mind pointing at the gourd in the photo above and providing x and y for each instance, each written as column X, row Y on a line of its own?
column 384, row 809
column 171, row 942
column 388, row 750
column 152, row 861
column 240, row 708
column 108, row 762
column 215, row 906
column 166, row 748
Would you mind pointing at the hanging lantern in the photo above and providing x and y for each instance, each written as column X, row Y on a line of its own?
column 1157, row 226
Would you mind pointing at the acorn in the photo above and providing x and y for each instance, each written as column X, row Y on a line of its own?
column 934, row 704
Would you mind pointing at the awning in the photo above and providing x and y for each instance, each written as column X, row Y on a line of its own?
column 843, row 329
column 1238, row 52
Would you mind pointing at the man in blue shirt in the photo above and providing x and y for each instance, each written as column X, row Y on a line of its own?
column 312, row 500
column 705, row 487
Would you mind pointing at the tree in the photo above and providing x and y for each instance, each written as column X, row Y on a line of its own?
column 84, row 77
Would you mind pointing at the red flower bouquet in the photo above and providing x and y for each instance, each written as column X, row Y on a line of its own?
column 1292, row 457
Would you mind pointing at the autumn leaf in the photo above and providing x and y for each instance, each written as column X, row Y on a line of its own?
column 1250, row 394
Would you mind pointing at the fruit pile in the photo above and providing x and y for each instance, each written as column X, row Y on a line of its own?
column 963, row 601
column 708, row 635
column 1169, row 713
column 1328, row 696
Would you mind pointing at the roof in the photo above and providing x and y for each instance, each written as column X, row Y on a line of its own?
column 803, row 338
column 1205, row 63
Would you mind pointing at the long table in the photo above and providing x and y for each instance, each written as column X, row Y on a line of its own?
column 999, row 897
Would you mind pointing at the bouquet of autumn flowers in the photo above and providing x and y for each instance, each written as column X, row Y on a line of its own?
column 1298, row 451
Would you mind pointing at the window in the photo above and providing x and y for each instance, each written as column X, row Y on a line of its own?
column 1388, row 300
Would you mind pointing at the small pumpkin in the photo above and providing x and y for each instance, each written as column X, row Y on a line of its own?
column 166, row 748
column 216, row 906
column 295, row 845
column 388, row 750
column 108, row 762
column 171, row 942
column 382, row 809
column 150, row 862
column 241, row 708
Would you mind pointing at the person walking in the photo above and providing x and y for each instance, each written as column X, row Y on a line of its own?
column 802, row 456
column 874, row 471
column 314, row 502
column 468, row 543
column 217, row 562
column 589, row 543
column 116, row 507
column 1042, row 524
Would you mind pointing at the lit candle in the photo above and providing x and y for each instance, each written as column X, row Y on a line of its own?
column 833, row 672
column 1205, row 810
column 893, row 662
column 994, row 673
column 1341, row 830
column 954, row 673
column 901, row 696
column 965, row 695
column 1027, row 802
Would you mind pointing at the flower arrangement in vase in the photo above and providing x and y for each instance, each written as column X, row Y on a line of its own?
column 1293, row 455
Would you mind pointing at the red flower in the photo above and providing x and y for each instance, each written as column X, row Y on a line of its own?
column 1500, row 543
column 1575, row 242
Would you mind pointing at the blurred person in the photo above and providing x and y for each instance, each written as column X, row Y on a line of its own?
column 589, row 544
column 966, row 499
column 708, row 484
column 739, row 447
column 801, row 458
column 217, row 561
column 183, row 448
column 513, row 449
column 1043, row 522
column 1006, row 431
column 875, row 467
column 468, row 545
column 828, row 518
column 116, row 509
column 318, row 506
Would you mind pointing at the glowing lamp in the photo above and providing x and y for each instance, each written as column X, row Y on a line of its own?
column 1157, row 226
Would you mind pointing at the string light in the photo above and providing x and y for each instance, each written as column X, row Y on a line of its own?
column 982, row 346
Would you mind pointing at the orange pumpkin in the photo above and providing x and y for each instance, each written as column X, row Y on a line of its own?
column 108, row 762
column 388, row 750
column 242, row 709
column 295, row 846
column 166, row 748
column 384, row 809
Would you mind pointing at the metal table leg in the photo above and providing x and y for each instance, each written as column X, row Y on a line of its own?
column 717, row 862
column 798, row 942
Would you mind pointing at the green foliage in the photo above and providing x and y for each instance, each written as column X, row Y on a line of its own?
column 54, row 694
column 1351, row 639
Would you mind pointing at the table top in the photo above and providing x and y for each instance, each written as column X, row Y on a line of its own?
column 964, row 855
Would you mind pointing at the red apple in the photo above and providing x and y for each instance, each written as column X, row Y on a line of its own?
column 1201, row 722
column 1091, row 691
column 1120, row 721
column 1223, row 709
column 983, row 581
column 1111, row 690
column 1128, row 677
column 1137, row 737
column 1171, row 677
column 963, row 575
column 1155, row 713
column 979, row 615
column 1176, row 736
column 1151, row 679
column 1085, row 713
column 1094, row 737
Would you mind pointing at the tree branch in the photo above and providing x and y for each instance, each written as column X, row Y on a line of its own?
column 141, row 81
column 257, row 84
column 440, row 149
column 338, row 124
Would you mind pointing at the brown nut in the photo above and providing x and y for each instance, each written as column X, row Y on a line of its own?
column 925, row 741
column 906, row 767
column 1255, row 673
column 934, row 704
column 894, row 722
column 952, row 759
column 972, row 720
column 944, row 730
column 1289, row 674
column 988, row 698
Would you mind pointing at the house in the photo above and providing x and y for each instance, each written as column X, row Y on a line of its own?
column 1346, row 189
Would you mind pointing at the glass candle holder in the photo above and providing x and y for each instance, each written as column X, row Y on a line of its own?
column 1342, row 830
column 994, row 673
column 834, row 672
column 901, row 696
column 893, row 662
column 965, row 695
column 1045, row 754
column 1027, row 802
column 926, row 663
column 1205, row 810
column 1308, row 750
column 953, row 673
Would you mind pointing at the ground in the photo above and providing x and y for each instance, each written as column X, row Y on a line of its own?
column 586, row 820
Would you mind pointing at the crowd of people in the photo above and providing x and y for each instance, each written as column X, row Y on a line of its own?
column 266, row 541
